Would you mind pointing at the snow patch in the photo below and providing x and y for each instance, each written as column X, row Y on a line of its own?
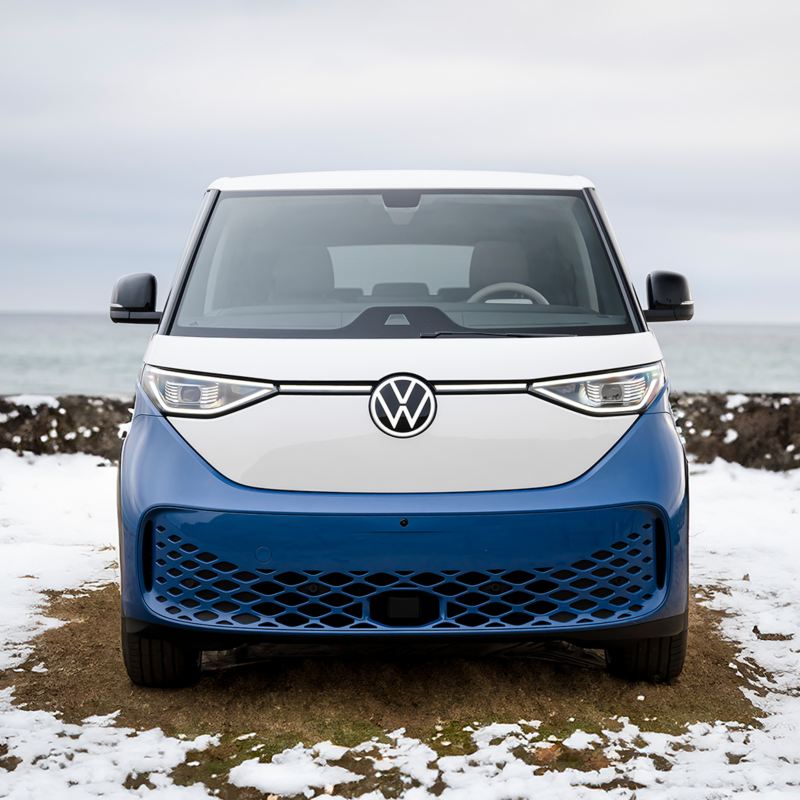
column 60, row 532
column 743, row 539
column 404, row 753
column 291, row 772
column 93, row 759
column 730, row 436
column 580, row 740
column 33, row 400
column 736, row 401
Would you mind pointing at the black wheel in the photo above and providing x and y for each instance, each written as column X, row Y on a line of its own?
column 159, row 663
column 655, row 660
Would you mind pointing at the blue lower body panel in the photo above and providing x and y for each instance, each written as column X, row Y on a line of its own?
column 607, row 551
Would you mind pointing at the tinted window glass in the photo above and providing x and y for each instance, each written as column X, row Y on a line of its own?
column 361, row 265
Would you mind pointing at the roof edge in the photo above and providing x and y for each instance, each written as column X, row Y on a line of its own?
column 400, row 179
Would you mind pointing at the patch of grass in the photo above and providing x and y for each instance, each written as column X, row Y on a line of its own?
column 391, row 783
column 349, row 700
column 216, row 762
column 559, row 758
column 138, row 780
column 212, row 765
column 563, row 728
column 446, row 738
column 7, row 762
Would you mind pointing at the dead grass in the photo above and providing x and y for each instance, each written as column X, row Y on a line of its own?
column 346, row 699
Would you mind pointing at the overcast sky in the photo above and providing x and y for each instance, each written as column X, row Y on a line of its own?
column 114, row 117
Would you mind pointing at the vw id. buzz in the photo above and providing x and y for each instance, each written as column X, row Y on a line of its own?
column 402, row 405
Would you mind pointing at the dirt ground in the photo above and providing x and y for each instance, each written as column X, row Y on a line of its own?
column 313, row 698
column 285, row 699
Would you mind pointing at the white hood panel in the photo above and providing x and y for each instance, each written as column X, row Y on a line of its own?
column 329, row 443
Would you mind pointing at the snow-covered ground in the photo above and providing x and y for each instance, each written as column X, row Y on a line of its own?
column 57, row 530
column 57, row 521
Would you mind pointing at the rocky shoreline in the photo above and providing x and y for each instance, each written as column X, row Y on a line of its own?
column 755, row 430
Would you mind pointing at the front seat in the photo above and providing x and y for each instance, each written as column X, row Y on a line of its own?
column 302, row 274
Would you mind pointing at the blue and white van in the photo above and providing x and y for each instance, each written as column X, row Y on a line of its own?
column 402, row 405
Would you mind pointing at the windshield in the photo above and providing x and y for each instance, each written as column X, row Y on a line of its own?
column 400, row 264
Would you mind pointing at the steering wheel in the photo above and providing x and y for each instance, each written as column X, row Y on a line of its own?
column 497, row 288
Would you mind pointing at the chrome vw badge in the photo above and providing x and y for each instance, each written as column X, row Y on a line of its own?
column 402, row 406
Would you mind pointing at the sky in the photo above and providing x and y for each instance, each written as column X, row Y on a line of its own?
column 115, row 116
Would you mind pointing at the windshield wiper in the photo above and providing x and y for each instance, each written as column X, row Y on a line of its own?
column 502, row 334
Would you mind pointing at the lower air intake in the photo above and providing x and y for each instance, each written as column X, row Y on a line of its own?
column 198, row 586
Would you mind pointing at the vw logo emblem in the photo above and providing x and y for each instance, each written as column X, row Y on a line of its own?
column 402, row 406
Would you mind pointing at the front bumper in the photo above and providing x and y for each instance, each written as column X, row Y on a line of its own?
column 602, row 557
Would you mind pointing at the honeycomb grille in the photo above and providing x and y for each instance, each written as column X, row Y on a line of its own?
column 194, row 585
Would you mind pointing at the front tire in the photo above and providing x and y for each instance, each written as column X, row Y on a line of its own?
column 658, row 660
column 159, row 663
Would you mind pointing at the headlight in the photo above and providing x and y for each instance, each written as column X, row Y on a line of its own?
column 625, row 392
column 200, row 395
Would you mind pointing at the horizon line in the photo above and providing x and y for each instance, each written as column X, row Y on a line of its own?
column 85, row 313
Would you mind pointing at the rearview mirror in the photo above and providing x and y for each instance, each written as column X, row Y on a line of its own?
column 668, row 297
column 134, row 300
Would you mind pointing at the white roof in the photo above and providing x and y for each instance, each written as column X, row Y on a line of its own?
column 399, row 179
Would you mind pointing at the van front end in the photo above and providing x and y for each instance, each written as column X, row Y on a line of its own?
column 384, row 406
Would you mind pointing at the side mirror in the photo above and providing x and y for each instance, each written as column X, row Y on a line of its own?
column 668, row 297
column 134, row 300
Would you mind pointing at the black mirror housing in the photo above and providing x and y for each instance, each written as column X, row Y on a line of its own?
column 668, row 297
column 133, row 300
